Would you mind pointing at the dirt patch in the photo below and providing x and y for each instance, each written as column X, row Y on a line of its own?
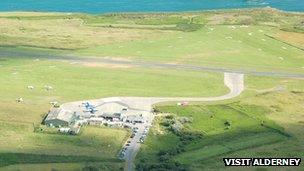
column 229, row 19
column 117, row 58
column 219, row 18
column 105, row 65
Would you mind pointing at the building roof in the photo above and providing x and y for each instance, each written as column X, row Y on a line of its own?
column 112, row 107
column 60, row 114
column 135, row 118
column 53, row 114
column 111, row 115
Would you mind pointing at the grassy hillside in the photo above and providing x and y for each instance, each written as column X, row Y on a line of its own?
column 265, row 121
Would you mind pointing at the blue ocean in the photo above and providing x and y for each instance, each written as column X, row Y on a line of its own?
column 110, row 6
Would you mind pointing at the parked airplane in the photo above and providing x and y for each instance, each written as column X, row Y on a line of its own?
column 89, row 107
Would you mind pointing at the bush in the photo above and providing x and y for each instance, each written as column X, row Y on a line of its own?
column 184, row 120
column 169, row 117
column 165, row 158
column 187, row 137
column 227, row 123
column 161, row 152
column 176, row 127
column 188, row 27
column 167, row 122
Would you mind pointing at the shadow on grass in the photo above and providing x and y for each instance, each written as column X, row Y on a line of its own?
column 7, row 159
column 180, row 156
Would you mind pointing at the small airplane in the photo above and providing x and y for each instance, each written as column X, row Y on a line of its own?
column 88, row 105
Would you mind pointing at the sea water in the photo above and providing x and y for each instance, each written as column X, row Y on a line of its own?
column 110, row 6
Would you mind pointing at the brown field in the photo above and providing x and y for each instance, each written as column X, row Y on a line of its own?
column 296, row 39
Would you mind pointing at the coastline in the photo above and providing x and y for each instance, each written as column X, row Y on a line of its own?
column 156, row 13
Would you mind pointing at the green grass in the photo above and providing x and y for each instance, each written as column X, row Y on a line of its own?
column 212, row 126
column 284, row 108
column 222, row 47
column 279, row 136
column 97, row 82
column 20, row 144
column 226, row 147
column 187, row 38
column 73, row 82
column 18, row 137
column 13, row 158
column 177, row 37
column 66, row 166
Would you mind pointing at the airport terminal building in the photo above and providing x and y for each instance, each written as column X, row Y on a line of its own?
column 105, row 113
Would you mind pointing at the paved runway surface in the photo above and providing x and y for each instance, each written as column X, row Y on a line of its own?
column 4, row 52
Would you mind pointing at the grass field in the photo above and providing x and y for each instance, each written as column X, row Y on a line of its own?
column 96, row 82
column 73, row 82
column 259, row 127
column 18, row 137
column 224, row 46
column 260, row 39
column 65, row 166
